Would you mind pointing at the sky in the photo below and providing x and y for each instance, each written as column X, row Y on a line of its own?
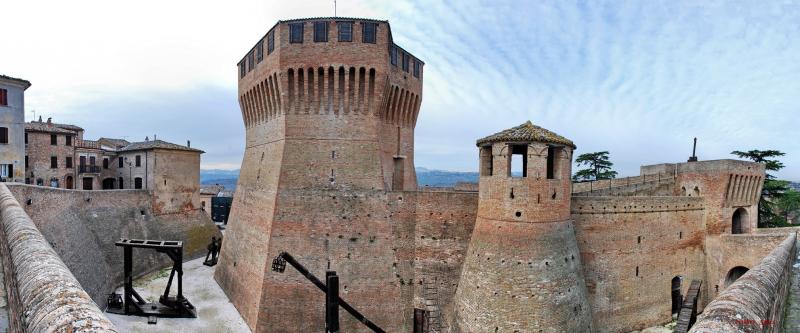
column 639, row 79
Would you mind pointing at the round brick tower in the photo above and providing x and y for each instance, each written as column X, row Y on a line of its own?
column 329, row 107
column 522, row 271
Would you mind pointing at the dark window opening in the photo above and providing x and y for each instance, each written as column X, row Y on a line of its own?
column 369, row 32
column 637, row 270
column 242, row 69
column 295, row 32
column 105, row 163
column 138, row 160
column 393, row 55
column 518, row 161
column 551, row 161
column 260, row 51
column 677, row 298
column 137, row 183
column 26, row 138
column 487, row 161
column 738, row 221
column 251, row 63
column 270, row 42
column 53, row 139
column 3, row 134
column 320, row 32
column 405, row 62
column 68, row 162
column 92, row 161
column 120, row 183
column 416, row 68
column 3, row 97
column 345, row 30
column 639, row 240
column 119, row 162
column 734, row 274
column 69, row 140
column 26, row 161
column 53, row 162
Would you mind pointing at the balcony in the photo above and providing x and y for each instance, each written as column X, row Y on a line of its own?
column 88, row 169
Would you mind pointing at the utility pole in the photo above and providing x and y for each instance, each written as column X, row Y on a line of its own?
column 334, row 14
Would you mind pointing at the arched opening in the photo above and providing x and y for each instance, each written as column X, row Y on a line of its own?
column 108, row 184
column 696, row 191
column 69, row 184
column 734, row 274
column 739, row 221
column 677, row 298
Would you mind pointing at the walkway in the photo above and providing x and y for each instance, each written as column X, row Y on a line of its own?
column 791, row 321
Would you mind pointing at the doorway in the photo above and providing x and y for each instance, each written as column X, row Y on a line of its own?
column 87, row 183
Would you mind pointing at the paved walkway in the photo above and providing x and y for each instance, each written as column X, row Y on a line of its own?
column 214, row 312
column 791, row 321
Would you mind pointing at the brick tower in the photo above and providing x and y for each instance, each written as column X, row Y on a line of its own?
column 329, row 106
column 522, row 271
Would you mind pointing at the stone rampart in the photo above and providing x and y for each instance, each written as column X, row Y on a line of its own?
column 755, row 302
column 43, row 294
column 82, row 227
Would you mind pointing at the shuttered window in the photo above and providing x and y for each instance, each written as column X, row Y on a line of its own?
column 320, row 32
column 369, row 32
column 345, row 31
column 3, row 134
column 295, row 32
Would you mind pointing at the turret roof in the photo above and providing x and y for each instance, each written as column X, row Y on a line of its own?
column 527, row 132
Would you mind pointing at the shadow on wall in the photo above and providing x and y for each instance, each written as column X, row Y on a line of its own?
column 82, row 227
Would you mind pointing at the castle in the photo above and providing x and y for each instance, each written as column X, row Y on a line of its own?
column 330, row 105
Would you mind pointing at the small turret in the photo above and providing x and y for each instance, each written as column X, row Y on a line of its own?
column 522, row 272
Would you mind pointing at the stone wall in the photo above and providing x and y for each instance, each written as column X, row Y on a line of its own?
column 43, row 294
column 82, row 227
column 755, row 302
column 631, row 248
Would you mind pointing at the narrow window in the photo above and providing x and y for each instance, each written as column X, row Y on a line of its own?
column 486, row 161
column 242, row 69
column 105, row 163
column 518, row 161
column 26, row 138
column 639, row 240
column 393, row 55
column 345, row 31
column 3, row 134
column 53, row 139
column 68, row 162
column 251, row 64
column 369, row 32
column 260, row 51
column 320, row 32
column 3, row 97
column 69, row 140
column 121, row 184
column 416, row 68
column 138, row 160
column 271, row 42
column 26, row 161
column 119, row 161
column 137, row 183
column 551, row 159
column 637, row 270
column 405, row 62
column 53, row 162
column 295, row 32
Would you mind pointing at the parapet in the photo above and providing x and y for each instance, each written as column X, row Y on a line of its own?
column 43, row 295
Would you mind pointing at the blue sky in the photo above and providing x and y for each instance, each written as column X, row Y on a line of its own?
column 639, row 79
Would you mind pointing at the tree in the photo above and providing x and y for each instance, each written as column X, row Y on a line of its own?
column 598, row 167
column 773, row 188
column 788, row 203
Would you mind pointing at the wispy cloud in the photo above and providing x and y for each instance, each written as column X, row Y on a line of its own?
column 640, row 79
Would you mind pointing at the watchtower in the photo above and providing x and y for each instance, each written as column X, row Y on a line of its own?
column 522, row 271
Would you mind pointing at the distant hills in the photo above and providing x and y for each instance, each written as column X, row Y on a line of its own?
column 425, row 177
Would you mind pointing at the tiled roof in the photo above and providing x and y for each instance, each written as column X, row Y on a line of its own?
column 157, row 144
column 69, row 127
column 332, row 18
column 527, row 132
column 115, row 143
column 36, row 126
column 26, row 83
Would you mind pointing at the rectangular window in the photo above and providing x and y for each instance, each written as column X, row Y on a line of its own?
column 69, row 140
column 26, row 161
column 53, row 139
column 270, row 42
column 3, row 134
column 4, row 170
column 260, row 51
column 138, row 160
column 242, row 69
column 405, row 62
column 320, row 32
column 416, row 68
column 26, row 138
column 393, row 55
column 137, row 183
column 295, row 32
column 119, row 159
column 53, row 162
column 251, row 61
column 369, row 32
column 345, row 31
column 105, row 163
column 518, row 161
column 3, row 97
column 68, row 162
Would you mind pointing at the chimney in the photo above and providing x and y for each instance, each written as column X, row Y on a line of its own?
column 189, row 143
column 49, row 120
column 40, row 119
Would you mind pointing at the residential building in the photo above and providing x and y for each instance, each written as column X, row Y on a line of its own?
column 12, row 118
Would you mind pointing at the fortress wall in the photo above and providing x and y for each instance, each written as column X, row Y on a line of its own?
column 578, row 187
column 745, row 250
column 444, row 225
column 755, row 299
column 43, row 295
column 664, row 187
column 631, row 248
column 82, row 227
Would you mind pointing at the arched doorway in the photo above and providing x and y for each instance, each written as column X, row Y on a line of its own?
column 739, row 221
column 734, row 274
column 677, row 298
column 108, row 184
column 68, row 182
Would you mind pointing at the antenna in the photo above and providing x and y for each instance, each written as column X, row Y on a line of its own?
column 34, row 114
column 693, row 158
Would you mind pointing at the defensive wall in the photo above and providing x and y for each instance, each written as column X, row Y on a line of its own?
column 42, row 294
column 82, row 227
column 755, row 302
